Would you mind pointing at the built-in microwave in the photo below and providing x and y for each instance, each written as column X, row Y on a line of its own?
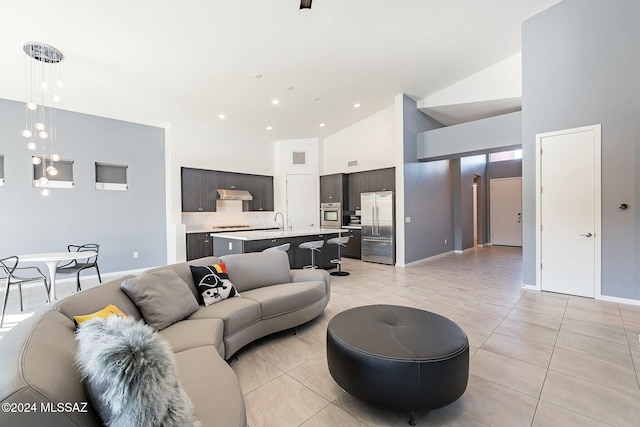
column 330, row 215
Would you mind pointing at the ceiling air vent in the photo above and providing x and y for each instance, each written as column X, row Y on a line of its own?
column 352, row 163
column 299, row 158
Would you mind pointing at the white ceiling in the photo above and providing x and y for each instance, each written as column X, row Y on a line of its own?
column 163, row 61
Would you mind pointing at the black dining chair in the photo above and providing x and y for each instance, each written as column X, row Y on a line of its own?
column 76, row 266
column 9, row 271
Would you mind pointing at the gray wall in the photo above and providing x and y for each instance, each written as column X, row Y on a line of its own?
column 497, row 133
column 470, row 166
column 497, row 170
column 428, row 192
column 581, row 66
column 120, row 221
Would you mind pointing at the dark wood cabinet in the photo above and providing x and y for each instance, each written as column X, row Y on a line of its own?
column 334, row 188
column 367, row 181
column 353, row 249
column 199, row 189
column 199, row 245
column 261, row 188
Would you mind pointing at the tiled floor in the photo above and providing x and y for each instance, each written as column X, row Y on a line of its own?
column 538, row 359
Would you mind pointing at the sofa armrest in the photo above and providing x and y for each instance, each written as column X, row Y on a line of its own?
column 310, row 275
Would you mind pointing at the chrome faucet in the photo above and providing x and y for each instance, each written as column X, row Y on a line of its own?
column 275, row 218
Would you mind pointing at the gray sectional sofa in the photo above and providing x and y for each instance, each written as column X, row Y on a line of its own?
column 37, row 357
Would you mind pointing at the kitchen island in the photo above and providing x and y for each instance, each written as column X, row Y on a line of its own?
column 256, row 241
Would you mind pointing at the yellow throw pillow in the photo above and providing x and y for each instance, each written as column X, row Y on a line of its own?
column 102, row 314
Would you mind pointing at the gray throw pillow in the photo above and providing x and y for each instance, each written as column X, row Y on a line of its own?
column 162, row 297
column 130, row 374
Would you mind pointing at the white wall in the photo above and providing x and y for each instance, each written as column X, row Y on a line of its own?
column 502, row 80
column 370, row 141
column 284, row 165
column 206, row 148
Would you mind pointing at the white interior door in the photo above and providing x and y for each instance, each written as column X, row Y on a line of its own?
column 302, row 201
column 569, row 211
column 506, row 211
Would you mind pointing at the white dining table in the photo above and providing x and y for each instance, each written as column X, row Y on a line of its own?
column 51, row 260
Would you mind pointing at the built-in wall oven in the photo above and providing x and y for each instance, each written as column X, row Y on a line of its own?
column 330, row 215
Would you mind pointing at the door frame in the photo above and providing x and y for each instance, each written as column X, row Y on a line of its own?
column 491, row 210
column 597, row 130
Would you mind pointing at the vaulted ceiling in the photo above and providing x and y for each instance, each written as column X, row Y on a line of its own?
column 164, row 61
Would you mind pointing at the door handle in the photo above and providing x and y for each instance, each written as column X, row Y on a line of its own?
column 587, row 235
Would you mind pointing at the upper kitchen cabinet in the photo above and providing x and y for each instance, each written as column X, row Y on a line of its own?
column 261, row 188
column 367, row 181
column 334, row 188
column 198, row 190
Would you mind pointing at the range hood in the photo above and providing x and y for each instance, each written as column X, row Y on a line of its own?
column 234, row 194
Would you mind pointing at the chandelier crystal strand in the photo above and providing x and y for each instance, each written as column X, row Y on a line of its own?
column 42, row 85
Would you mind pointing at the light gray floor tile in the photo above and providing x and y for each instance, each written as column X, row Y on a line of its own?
column 282, row 402
column 253, row 371
column 468, row 317
column 496, row 405
column 333, row 416
column 508, row 372
column 315, row 375
column 594, row 329
column 548, row 415
column 595, row 347
column 528, row 331
column 591, row 400
column 596, row 370
column 373, row 415
column 535, row 318
column 517, row 348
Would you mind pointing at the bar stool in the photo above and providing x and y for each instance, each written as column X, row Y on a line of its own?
column 314, row 247
column 285, row 247
column 342, row 243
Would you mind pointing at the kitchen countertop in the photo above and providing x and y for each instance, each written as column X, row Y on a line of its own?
column 353, row 227
column 276, row 234
column 229, row 229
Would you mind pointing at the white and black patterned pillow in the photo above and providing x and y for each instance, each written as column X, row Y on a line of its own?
column 213, row 283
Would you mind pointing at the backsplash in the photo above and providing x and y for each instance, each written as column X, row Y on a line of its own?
column 228, row 212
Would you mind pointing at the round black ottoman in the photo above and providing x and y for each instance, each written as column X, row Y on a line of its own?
column 398, row 357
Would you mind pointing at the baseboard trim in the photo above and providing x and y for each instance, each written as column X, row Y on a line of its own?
column 431, row 258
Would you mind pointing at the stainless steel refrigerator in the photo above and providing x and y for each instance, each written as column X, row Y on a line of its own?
column 378, row 227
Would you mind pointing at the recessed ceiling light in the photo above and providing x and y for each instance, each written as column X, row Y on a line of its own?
column 315, row 98
column 269, row 128
column 222, row 116
column 322, row 125
column 275, row 102
column 257, row 76
column 289, row 88
column 356, row 105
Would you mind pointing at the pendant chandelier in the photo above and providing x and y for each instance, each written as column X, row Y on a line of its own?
column 43, row 83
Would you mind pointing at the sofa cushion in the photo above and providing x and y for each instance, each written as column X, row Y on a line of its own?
column 257, row 269
column 279, row 299
column 188, row 334
column 162, row 296
column 213, row 283
column 96, row 298
column 212, row 386
column 182, row 270
column 236, row 313
column 131, row 375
